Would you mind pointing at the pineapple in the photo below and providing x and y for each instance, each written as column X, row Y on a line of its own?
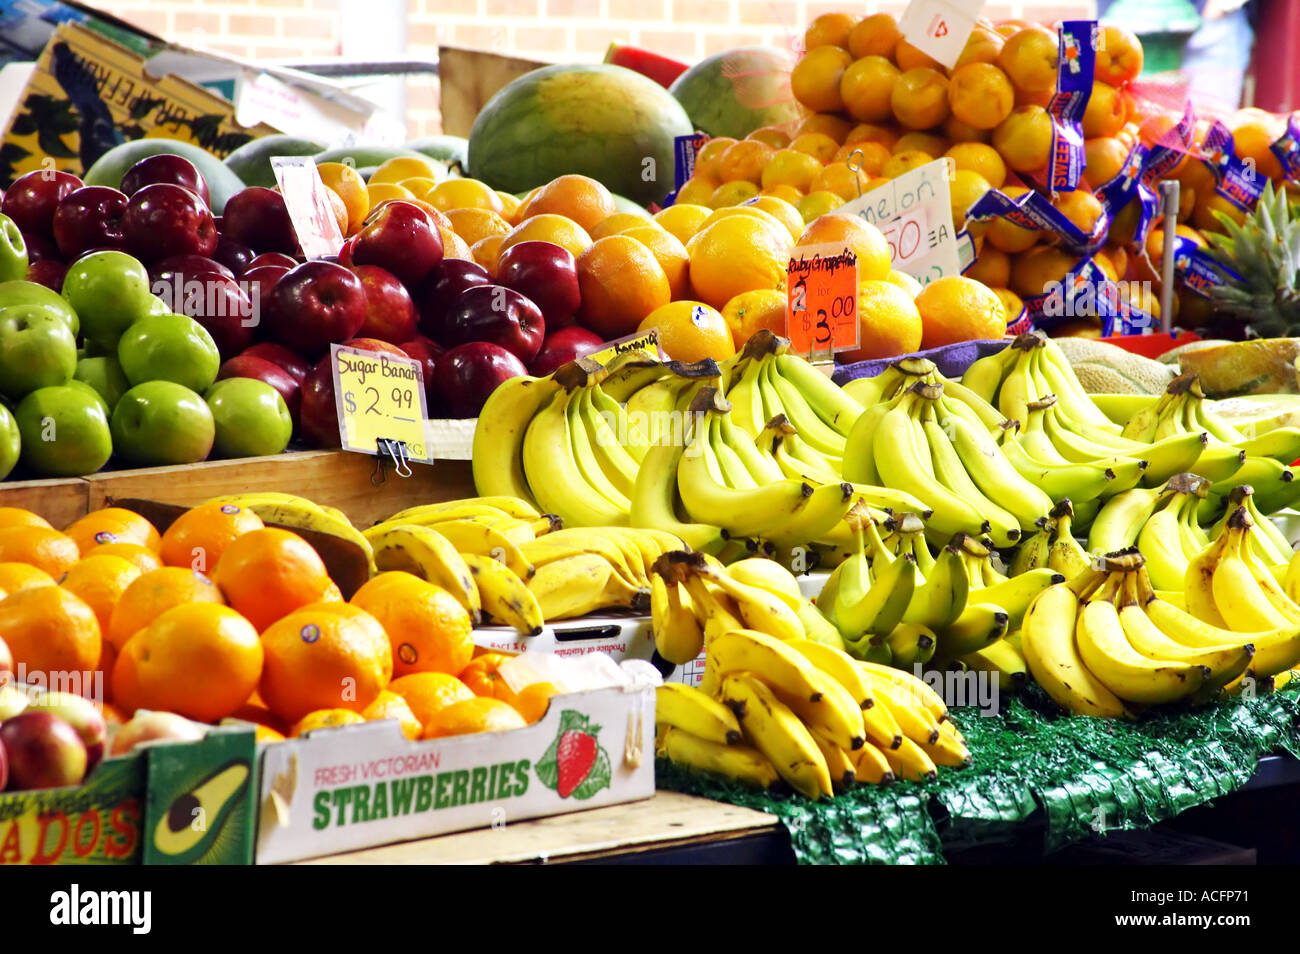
column 1265, row 252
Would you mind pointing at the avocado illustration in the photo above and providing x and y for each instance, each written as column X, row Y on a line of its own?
column 195, row 818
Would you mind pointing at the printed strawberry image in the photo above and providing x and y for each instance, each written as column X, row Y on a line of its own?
column 575, row 764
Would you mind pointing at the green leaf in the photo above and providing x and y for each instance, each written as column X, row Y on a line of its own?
column 597, row 778
column 572, row 719
column 548, row 767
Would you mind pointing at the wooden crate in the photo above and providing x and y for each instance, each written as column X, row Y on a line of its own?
column 58, row 501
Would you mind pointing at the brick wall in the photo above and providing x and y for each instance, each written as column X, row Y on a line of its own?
column 555, row 30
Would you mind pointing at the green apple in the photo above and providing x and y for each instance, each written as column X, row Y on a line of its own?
column 87, row 389
column 105, row 375
column 10, row 442
column 158, row 307
column 162, row 422
column 31, row 293
column 109, row 291
column 13, row 250
column 252, row 419
column 64, row 432
column 36, row 349
column 169, row 348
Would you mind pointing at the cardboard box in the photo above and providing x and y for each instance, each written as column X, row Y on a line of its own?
column 359, row 786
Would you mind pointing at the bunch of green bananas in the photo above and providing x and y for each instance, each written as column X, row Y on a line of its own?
column 804, row 713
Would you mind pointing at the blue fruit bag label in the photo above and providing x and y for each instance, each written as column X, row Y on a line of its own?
column 1087, row 292
column 1197, row 268
column 1129, row 184
column 1287, row 148
column 1238, row 181
column 1076, row 60
column 1034, row 211
column 685, row 149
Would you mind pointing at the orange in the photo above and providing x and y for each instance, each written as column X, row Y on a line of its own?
column 151, row 594
column 534, row 699
column 737, row 254
column 268, row 573
column 254, row 710
column 1029, row 59
column 876, row 35
column 1024, row 138
column 781, row 210
column 783, row 192
column 709, row 157
column 752, row 310
column 683, row 219
column 580, row 198
column 18, row 517
column 992, row 267
column 21, row 576
column 480, row 714
column 744, row 160
column 429, row 631
column 904, row 162
column 1034, row 271
column 1119, row 55
column 265, row 735
column 1104, row 160
column 983, row 46
column 389, row 705
column 50, row 630
column 403, row 167
column 863, row 237
column 980, row 95
column 475, row 224
column 621, row 282
column 199, row 660
column 829, row 29
column 324, row 656
column 669, row 252
column 486, row 251
column 828, row 124
column 697, row 190
column 1253, row 133
column 1106, row 113
column 906, row 282
column 868, row 157
column 616, row 223
column 141, row 556
column 774, row 136
column 956, row 308
column 917, row 141
column 873, row 132
column 1008, row 236
column 1082, row 208
column 113, row 525
column 347, row 183
column 197, row 538
column 548, row 227
column 816, row 204
column 920, row 98
column 380, row 192
column 964, row 189
column 428, row 692
column 100, row 581
column 421, row 187
column 888, row 323
column 910, row 57
column 324, row 719
column 464, row 194
column 732, row 193
column 866, row 87
column 977, row 157
column 1011, row 303
column 840, row 179
column 818, row 145
column 453, row 246
column 690, row 331
column 483, row 678
column 40, row 547
column 958, row 131
column 815, row 79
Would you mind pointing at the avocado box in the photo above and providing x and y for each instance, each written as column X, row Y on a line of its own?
column 362, row 785
column 161, row 803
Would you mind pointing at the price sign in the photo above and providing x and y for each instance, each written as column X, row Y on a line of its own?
column 821, row 312
column 309, row 205
column 940, row 28
column 646, row 341
column 379, row 396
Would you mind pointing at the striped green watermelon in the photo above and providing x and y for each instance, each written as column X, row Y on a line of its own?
column 736, row 92
column 598, row 120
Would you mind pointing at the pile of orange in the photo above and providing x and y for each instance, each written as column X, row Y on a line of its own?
column 222, row 617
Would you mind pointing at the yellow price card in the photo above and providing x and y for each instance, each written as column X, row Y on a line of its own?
column 379, row 397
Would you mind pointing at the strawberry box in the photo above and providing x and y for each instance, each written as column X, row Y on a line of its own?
column 362, row 785
column 619, row 637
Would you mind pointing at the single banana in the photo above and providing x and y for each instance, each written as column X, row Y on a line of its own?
column 736, row 763
column 950, row 751
column 984, row 376
column 1015, row 594
column 768, row 575
column 1121, row 519
column 1004, row 661
column 882, row 608
column 679, row 636
column 1034, row 548
column 836, row 409
column 871, row 767
column 777, row 732
column 911, row 645
column 914, row 720
column 1224, row 662
column 1065, row 555
column 555, row 475
column 978, row 625
column 910, row 762
column 689, row 709
column 950, row 471
column 771, row 660
column 840, row 764
column 654, row 501
column 510, row 506
column 499, row 436
column 581, row 584
column 431, row 556
column 504, row 596
column 1060, row 478
column 993, row 474
column 940, row 598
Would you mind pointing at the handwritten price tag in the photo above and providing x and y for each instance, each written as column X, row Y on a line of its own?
column 308, row 204
column 821, row 312
column 940, row 28
column 914, row 212
column 379, row 396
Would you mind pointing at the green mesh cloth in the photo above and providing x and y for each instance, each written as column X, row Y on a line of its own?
column 1033, row 765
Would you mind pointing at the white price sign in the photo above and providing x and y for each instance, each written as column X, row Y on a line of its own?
column 940, row 28
column 914, row 212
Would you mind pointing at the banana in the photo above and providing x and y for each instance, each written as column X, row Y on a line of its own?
column 469, row 537
column 817, row 628
column 630, row 372
column 781, row 393
column 959, row 399
column 1162, row 547
column 768, row 575
column 504, row 595
column 581, row 584
column 917, row 690
column 299, row 513
column 836, row 409
column 1174, row 455
column 1065, row 555
column 859, row 465
column 499, row 436
column 818, row 518
column 762, row 467
column 1060, row 479
column 1224, row 662
column 950, row 470
column 873, row 390
column 1121, row 408
column 567, row 543
column 978, row 625
column 431, row 556
column 1061, row 380
column 1034, row 548
column 881, row 609
column 1004, row 661
column 1282, row 444
column 1128, row 674
column 840, row 764
column 777, row 732
column 716, row 612
column 510, row 506
column 555, row 474
column 836, row 715
column 611, row 443
column 679, row 637
column 1121, row 519
column 994, row 474
column 775, row 440
column 910, row 763
column 915, row 721
column 1048, row 641
column 654, row 501
column 1269, row 543
column 939, row 600
column 689, row 709
column 770, row 659
column 911, row 645
column 577, row 427
column 871, row 767
column 1015, row 594
column 950, row 750
column 746, row 401
column 737, row 763
column 1275, row 650
column 984, row 376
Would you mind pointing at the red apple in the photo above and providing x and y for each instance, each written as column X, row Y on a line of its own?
column 39, row 247
column 314, row 305
column 390, row 313
column 84, row 716
column 438, row 292
column 546, row 273
column 561, row 347
column 319, row 414
column 374, row 344
column 345, row 253
column 215, row 301
column 190, row 265
column 258, row 218
column 274, row 258
column 291, row 361
column 258, row 283
column 44, row 751
column 48, row 272
column 147, row 725
column 426, row 351
column 236, row 256
column 33, row 197
column 89, row 217
column 402, row 238
column 250, row 366
column 166, row 219
column 497, row 315
column 166, row 167
column 468, row 374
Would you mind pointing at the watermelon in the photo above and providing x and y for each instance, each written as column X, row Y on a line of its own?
column 366, row 155
column 112, row 165
column 662, row 69
column 445, row 148
column 602, row 121
column 252, row 161
column 734, row 93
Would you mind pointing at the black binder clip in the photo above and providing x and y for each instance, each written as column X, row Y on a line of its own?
column 396, row 451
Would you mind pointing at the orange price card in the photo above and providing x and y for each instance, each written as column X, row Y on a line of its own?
column 821, row 312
